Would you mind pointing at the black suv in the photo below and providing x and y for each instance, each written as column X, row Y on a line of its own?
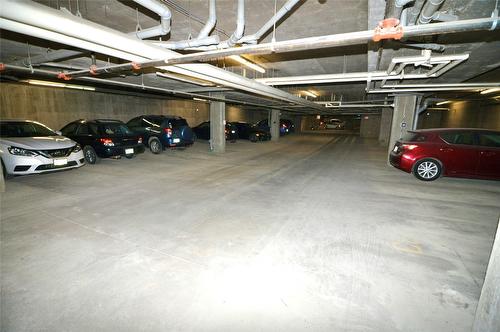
column 161, row 131
column 250, row 132
column 203, row 131
column 103, row 139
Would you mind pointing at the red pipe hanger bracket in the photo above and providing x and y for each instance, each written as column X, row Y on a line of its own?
column 388, row 29
column 63, row 76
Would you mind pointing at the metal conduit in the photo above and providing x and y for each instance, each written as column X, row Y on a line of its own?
column 343, row 39
column 49, row 73
column 212, row 20
column 270, row 23
column 81, row 33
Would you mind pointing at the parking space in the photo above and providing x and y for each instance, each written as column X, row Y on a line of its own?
column 313, row 232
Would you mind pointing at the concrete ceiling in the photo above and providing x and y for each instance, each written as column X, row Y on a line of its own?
column 309, row 18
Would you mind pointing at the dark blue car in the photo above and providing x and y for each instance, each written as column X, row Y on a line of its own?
column 286, row 126
column 162, row 131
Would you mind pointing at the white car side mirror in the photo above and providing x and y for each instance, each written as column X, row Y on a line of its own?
column 58, row 132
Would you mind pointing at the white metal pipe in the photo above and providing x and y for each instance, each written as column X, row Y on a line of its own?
column 94, row 37
column 444, row 85
column 428, row 10
column 212, row 20
column 183, row 44
column 165, row 17
column 240, row 27
column 30, row 30
column 270, row 23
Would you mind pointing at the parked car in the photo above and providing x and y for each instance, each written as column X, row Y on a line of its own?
column 203, row 131
column 162, row 131
column 286, row 126
column 432, row 153
column 335, row 124
column 28, row 147
column 250, row 132
column 104, row 139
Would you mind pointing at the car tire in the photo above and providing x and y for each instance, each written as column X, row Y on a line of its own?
column 90, row 155
column 427, row 169
column 155, row 145
column 253, row 138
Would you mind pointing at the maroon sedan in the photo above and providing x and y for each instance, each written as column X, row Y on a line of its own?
column 431, row 153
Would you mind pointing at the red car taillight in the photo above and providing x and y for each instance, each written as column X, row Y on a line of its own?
column 106, row 141
column 409, row 146
column 168, row 131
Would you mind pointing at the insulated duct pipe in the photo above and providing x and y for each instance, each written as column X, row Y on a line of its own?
column 342, row 39
column 429, row 9
column 252, row 39
column 397, row 9
column 78, row 32
column 165, row 17
column 212, row 19
column 183, row 44
column 240, row 27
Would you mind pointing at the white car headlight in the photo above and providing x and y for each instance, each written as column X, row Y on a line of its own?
column 77, row 148
column 21, row 152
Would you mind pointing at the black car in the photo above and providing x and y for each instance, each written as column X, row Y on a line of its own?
column 104, row 139
column 250, row 132
column 162, row 131
column 203, row 131
column 286, row 126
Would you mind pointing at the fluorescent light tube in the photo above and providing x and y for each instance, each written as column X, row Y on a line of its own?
column 247, row 63
column 59, row 85
column 490, row 91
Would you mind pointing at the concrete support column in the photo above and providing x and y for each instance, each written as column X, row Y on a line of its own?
column 298, row 123
column 218, row 126
column 488, row 309
column 274, row 124
column 385, row 126
column 402, row 117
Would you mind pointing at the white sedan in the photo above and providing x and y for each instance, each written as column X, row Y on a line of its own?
column 28, row 147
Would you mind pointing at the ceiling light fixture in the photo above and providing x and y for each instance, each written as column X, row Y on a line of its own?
column 59, row 85
column 310, row 94
column 443, row 102
column 490, row 91
column 247, row 63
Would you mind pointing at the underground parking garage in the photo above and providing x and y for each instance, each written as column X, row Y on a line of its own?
column 270, row 165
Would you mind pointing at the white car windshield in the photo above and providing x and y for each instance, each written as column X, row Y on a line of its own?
column 24, row 129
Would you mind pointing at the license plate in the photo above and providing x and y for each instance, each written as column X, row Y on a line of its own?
column 177, row 140
column 60, row 162
column 129, row 151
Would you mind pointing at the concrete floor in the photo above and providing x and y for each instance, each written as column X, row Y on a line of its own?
column 314, row 233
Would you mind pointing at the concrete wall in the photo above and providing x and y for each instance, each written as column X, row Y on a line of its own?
column 370, row 126
column 55, row 107
column 235, row 113
column 463, row 114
